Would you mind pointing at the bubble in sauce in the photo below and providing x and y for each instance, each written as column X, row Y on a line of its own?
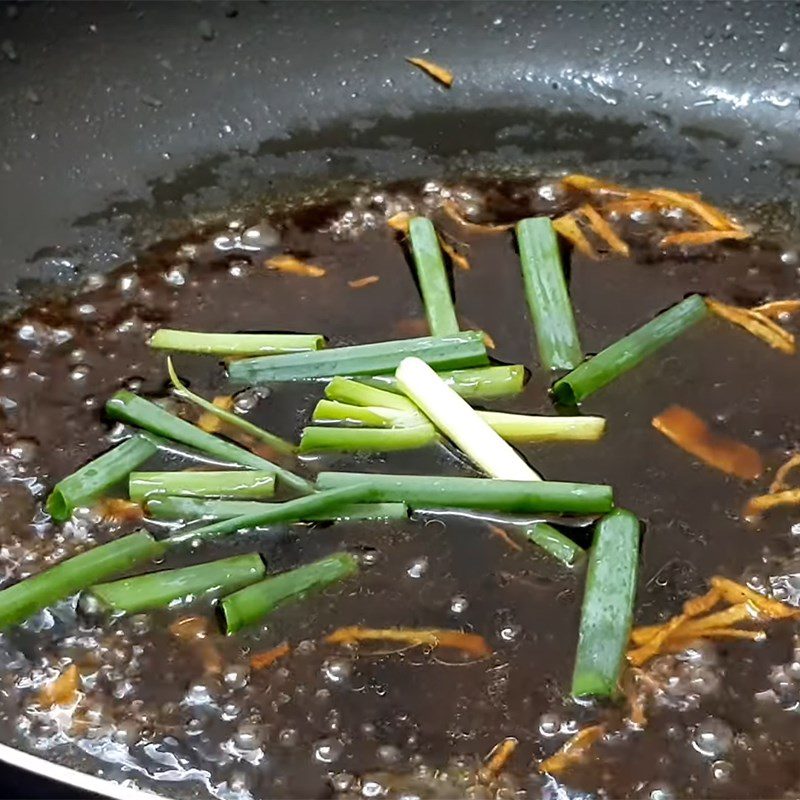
column 712, row 737
column 337, row 669
column 458, row 604
column 328, row 750
column 418, row 567
column 248, row 736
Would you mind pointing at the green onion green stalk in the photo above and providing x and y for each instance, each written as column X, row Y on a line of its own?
column 242, row 484
column 432, row 276
column 128, row 407
column 547, row 295
column 326, row 502
column 259, row 434
column 193, row 509
column 164, row 588
column 98, row 476
column 318, row 439
column 607, row 611
column 250, row 605
column 466, row 349
column 555, row 543
column 23, row 599
column 480, row 494
column 629, row 352
column 481, row 383
column 357, row 393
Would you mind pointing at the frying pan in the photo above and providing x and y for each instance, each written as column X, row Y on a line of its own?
column 123, row 122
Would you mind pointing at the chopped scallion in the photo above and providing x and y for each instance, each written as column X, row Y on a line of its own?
column 607, row 605
column 272, row 513
column 98, row 476
column 555, row 543
column 432, row 491
column 134, row 410
column 432, row 276
column 629, row 351
column 242, row 484
column 251, row 604
column 23, row 599
column 161, row 589
column 465, row 349
column 547, row 295
column 317, row 439
column 192, row 509
column 461, row 423
column 259, row 434
column 235, row 344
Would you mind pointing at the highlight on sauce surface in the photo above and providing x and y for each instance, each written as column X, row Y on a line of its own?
column 433, row 491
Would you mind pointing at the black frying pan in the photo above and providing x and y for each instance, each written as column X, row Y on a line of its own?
column 121, row 121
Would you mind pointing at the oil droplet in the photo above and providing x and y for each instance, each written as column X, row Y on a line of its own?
column 510, row 632
column 261, row 236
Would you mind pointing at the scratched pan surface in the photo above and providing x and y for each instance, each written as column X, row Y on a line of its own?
column 125, row 123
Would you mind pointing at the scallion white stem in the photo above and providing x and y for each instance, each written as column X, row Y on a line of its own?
column 461, row 423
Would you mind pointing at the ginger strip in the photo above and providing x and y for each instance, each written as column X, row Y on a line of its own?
column 757, row 324
column 440, row 74
column 713, row 216
column 497, row 759
column 294, row 266
column 211, row 423
column 63, row 691
column 586, row 183
column 691, row 608
column 457, row 258
column 115, row 509
column 641, row 655
column 504, row 537
column 778, row 308
column 603, row 230
column 766, row 502
column 470, row 643
column 769, row 607
column 698, row 238
column 400, row 222
column 269, row 657
column 779, row 482
column 685, row 429
column 360, row 283
column 568, row 227
column 573, row 751
column 454, row 212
